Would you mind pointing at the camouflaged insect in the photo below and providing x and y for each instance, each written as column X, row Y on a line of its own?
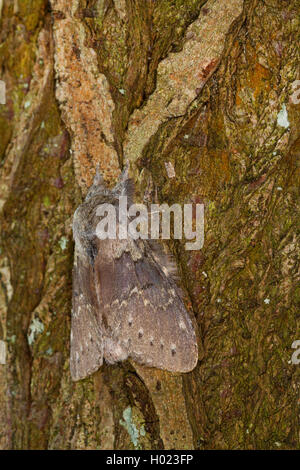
column 126, row 303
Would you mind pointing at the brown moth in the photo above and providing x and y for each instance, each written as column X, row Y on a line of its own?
column 126, row 303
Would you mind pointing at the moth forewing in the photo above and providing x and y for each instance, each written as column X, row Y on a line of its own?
column 86, row 333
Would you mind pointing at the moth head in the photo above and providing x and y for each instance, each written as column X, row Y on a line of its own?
column 98, row 187
column 99, row 190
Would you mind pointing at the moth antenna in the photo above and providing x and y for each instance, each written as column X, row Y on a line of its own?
column 98, row 178
column 98, row 184
column 125, row 186
column 125, row 173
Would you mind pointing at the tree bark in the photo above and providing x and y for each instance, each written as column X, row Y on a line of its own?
column 206, row 89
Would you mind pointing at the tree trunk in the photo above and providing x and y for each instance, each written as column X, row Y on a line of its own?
column 200, row 97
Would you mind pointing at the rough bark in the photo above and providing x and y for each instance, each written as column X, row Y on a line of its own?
column 199, row 87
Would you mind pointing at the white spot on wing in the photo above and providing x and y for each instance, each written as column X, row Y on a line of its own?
column 165, row 271
column 134, row 291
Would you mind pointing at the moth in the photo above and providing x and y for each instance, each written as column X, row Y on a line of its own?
column 125, row 303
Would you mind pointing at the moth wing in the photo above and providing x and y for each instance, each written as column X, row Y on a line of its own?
column 86, row 333
column 144, row 314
